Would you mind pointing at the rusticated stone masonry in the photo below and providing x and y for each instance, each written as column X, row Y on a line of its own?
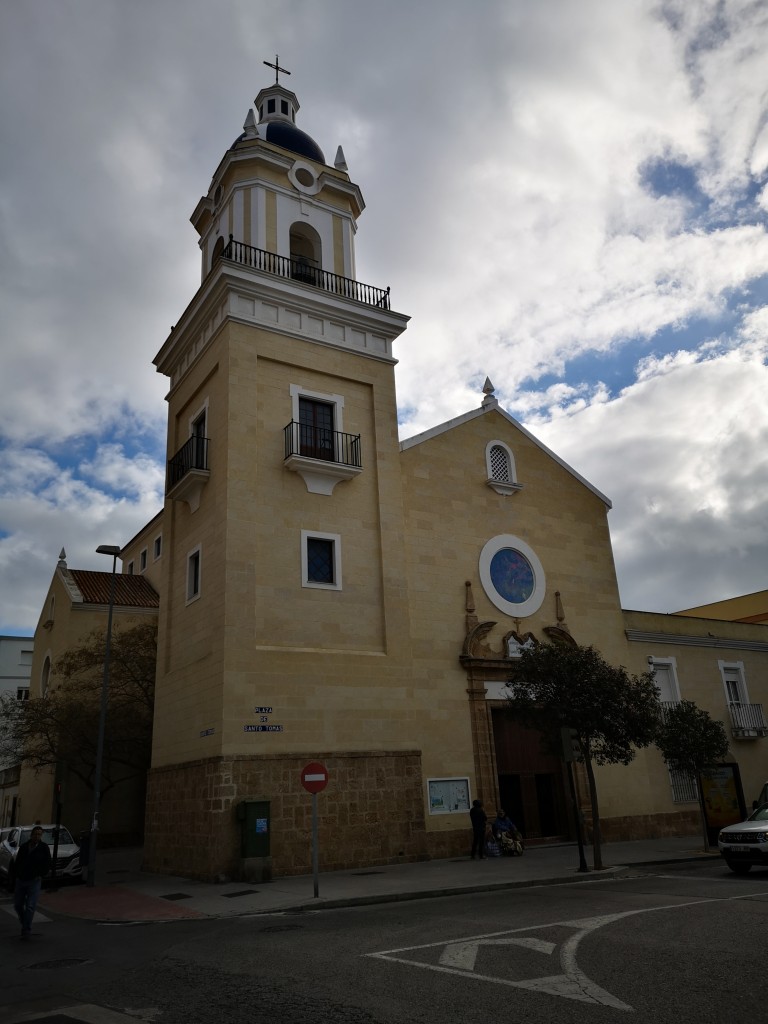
column 372, row 812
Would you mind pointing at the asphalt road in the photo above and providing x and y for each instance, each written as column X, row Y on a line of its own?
column 678, row 944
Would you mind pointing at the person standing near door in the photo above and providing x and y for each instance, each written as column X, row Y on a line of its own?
column 478, row 817
column 33, row 862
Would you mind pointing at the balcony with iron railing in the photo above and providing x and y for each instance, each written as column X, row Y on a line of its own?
column 747, row 720
column 302, row 270
column 187, row 472
column 321, row 456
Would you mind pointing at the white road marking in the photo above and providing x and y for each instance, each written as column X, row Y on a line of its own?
column 460, row 956
column 38, row 919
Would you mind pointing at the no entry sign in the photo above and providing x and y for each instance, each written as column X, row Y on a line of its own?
column 314, row 777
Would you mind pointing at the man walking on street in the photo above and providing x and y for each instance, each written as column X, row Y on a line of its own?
column 33, row 862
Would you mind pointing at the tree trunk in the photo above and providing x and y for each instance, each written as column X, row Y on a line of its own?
column 597, row 852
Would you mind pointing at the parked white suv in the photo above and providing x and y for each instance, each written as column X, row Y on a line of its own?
column 67, row 854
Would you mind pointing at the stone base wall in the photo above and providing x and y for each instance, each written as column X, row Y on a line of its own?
column 649, row 826
column 371, row 812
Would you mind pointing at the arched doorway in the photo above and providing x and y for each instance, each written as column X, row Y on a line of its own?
column 531, row 779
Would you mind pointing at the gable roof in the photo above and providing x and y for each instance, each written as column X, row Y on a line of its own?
column 490, row 404
column 130, row 591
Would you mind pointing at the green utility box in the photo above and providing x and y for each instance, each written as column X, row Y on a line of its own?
column 255, row 828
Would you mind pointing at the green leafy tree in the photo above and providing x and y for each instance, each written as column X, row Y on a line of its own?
column 61, row 728
column 692, row 742
column 611, row 712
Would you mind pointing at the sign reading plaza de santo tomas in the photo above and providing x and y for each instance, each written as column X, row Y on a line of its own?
column 377, row 592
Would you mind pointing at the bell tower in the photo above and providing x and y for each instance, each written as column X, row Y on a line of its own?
column 283, row 564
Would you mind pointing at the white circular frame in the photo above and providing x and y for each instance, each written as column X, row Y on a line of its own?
column 302, row 165
column 534, row 602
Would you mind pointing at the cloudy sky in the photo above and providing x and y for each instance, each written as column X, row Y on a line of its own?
column 568, row 196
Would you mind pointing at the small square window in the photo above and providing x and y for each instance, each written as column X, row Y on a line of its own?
column 143, row 560
column 320, row 560
column 284, row 106
column 193, row 575
column 270, row 106
column 158, row 547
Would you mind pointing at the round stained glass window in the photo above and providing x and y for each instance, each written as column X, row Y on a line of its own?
column 512, row 576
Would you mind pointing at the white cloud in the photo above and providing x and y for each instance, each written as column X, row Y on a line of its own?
column 502, row 158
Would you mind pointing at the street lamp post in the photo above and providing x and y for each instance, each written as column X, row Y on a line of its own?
column 102, row 549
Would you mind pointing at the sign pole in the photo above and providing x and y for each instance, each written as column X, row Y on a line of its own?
column 314, row 845
column 314, row 778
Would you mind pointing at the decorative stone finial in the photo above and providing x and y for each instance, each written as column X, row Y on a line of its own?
column 340, row 163
column 249, row 125
column 62, row 559
column 488, row 390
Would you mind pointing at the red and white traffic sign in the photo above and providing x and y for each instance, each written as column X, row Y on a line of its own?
column 314, row 777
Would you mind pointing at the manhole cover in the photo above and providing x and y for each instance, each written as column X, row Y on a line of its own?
column 177, row 896
column 52, row 965
column 241, row 892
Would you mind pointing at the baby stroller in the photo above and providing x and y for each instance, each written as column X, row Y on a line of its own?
column 511, row 844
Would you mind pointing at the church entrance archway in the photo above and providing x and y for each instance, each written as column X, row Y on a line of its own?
column 532, row 787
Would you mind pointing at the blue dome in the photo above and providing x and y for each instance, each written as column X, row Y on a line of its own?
column 288, row 136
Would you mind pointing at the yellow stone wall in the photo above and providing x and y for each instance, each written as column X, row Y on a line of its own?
column 122, row 810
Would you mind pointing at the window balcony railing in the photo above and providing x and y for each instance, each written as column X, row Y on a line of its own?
column 193, row 454
column 666, row 706
column 321, row 443
column 188, row 472
column 300, row 269
column 747, row 720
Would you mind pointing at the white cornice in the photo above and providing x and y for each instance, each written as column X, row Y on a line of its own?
column 282, row 306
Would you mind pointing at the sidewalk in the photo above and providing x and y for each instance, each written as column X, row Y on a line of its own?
column 123, row 893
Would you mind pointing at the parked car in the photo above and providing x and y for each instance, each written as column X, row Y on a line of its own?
column 67, row 855
column 746, row 844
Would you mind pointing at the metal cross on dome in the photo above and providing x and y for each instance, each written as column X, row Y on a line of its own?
column 277, row 68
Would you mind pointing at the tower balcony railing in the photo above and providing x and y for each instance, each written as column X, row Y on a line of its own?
column 301, row 269
column 311, row 442
column 747, row 720
column 193, row 454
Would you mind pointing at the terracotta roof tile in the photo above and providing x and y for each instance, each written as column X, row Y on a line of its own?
column 130, row 591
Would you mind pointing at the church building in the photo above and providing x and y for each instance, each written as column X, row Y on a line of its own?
column 331, row 594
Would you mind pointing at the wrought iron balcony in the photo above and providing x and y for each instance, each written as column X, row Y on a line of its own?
column 321, row 456
column 301, row 269
column 747, row 720
column 322, row 443
column 188, row 472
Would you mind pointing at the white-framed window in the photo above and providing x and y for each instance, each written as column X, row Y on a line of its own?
column 157, row 547
column 143, row 560
column 734, row 682
column 448, row 796
column 320, row 417
column 665, row 677
column 198, row 421
column 500, row 468
column 194, row 568
column 45, row 676
column 320, row 560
